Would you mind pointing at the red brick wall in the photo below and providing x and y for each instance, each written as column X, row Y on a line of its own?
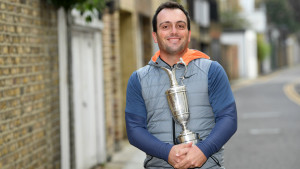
column 29, row 102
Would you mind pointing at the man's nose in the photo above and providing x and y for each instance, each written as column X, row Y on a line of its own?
column 174, row 30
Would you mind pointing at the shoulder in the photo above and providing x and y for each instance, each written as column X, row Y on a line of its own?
column 216, row 68
column 203, row 64
column 217, row 74
column 144, row 71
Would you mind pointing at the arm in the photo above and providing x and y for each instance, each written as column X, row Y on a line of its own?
column 223, row 105
column 136, row 124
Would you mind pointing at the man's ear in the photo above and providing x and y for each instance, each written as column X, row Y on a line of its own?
column 154, row 36
column 189, row 36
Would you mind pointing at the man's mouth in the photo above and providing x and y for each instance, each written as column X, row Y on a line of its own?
column 173, row 39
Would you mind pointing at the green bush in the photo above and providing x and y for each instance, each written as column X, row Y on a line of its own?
column 263, row 48
column 82, row 5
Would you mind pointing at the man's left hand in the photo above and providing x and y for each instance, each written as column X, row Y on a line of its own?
column 194, row 158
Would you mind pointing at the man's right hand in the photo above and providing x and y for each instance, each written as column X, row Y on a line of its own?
column 178, row 152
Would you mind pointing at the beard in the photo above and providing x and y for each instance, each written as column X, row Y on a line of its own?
column 171, row 48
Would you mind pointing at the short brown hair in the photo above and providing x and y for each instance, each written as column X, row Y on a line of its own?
column 170, row 5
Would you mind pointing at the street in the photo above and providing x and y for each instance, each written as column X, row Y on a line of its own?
column 268, row 135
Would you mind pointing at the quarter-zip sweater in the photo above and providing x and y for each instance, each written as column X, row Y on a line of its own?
column 212, row 107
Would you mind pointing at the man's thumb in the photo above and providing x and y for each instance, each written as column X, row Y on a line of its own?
column 188, row 145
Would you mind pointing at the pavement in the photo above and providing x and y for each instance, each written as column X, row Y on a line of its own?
column 132, row 158
column 128, row 158
column 297, row 88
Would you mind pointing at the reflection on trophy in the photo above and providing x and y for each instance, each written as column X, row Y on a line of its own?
column 177, row 99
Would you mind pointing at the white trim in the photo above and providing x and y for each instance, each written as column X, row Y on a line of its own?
column 79, row 20
column 63, row 89
column 101, row 135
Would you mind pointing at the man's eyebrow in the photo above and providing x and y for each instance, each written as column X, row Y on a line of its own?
column 164, row 22
column 181, row 22
column 170, row 22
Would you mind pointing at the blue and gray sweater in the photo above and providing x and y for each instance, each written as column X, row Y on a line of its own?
column 220, row 99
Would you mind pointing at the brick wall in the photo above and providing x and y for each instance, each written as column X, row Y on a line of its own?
column 29, row 103
column 119, row 112
column 112, row 81
column 108, row 73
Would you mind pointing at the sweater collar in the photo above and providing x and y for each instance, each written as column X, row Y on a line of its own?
column 190, row 55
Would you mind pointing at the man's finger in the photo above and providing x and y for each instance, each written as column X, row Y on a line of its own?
column 183, row 151
column 182, row 163
column 183, row 146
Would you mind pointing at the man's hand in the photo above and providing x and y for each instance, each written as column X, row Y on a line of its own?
column 178, row 153
column 194, row 158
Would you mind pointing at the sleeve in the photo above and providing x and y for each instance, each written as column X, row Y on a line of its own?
column 136, row 124
column 223, row 104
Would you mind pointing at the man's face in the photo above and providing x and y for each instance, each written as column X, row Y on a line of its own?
column 172, row 33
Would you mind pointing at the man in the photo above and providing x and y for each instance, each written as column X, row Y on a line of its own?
column 211, row 103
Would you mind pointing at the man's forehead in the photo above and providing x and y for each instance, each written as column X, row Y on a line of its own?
column 171, row 15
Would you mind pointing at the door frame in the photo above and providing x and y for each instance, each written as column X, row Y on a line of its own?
column 63, row 89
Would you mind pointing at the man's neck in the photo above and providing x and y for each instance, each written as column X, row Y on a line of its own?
column 171, row 59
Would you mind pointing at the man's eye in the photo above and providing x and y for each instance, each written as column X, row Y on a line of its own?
column 165, row 26
column 181, row 26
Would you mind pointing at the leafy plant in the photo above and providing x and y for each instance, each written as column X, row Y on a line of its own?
column 232, row 20
column 263, row 48
column 82, row 5
column 281, row 14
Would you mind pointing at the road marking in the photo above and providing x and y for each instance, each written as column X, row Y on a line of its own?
column 264, row 131
column 260, row 115
column 291, row 93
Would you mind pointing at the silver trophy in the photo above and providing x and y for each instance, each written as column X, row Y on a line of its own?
column 177, row 99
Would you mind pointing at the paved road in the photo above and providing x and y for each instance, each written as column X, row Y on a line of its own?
column 268, row 135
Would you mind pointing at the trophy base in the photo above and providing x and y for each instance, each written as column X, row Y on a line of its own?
column 188, row 137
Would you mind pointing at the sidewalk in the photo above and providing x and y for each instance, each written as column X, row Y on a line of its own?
column 128, row 158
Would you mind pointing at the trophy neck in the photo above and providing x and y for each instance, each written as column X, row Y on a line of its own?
column 172, row 76
column 184, row 128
